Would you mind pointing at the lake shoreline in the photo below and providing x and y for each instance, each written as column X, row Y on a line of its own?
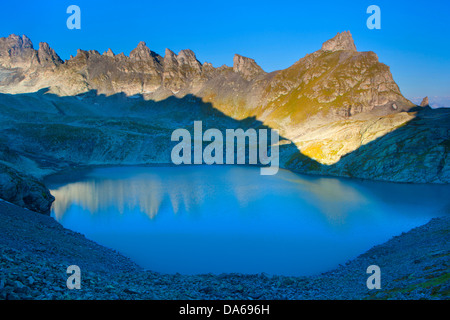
column 206, row 213
column 36, row 251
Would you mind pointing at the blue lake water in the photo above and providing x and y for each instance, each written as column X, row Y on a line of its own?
column 222, row 219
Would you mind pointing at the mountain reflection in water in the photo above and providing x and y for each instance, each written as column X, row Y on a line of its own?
column 200, row 219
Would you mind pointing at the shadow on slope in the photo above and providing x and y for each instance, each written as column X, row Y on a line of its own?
column 98, row 129
column 415, row 152
column 89, row 128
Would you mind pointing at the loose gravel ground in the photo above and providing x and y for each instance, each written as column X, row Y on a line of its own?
column 35, row 252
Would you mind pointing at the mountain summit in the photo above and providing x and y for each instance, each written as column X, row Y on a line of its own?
column 246, row 67
column 342, row 41
column 18, row 52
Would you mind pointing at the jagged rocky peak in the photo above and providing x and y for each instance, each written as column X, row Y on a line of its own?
column 342, row 41
column 169, row 54
column 109, row 53
column 44, row 48
column 17, row 51
column 425, row 102
column 15, row 45
column 93, row 52
column 48, row 56
column 16, row 42
column 207, row 66
column 142, row 52
column 184, row 57
column 170, row 59
column 188, row 57
column 26, row 42
column 81, row 54
column 246, row 67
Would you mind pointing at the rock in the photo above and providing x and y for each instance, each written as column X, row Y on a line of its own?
column 207, row 289
column 239, row 288
column 246, row 67
column 109, row 53
column 12, row 296
column 19, row 287
column 208, row 66
column 24, row 190
column 143, row 53
column 6, row 257
column 256, row 295
column 342, row 41
column 170, row 59
column 425, row 102
column 47, row 56
column 287, row 281
column 445, row 288
column 180, row 69
column 17, row 51
column 187, row 57
column 131, row 291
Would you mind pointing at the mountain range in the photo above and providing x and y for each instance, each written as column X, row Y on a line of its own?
column 338, row 110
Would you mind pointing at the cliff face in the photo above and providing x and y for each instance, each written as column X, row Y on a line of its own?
column 339, row 110
column 342, row 41
column 24, row 190
column 18, row 52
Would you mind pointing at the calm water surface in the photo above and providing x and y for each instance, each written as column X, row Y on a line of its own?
column 214, row 219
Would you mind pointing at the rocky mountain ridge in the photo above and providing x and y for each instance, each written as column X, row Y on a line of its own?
column 146, row 72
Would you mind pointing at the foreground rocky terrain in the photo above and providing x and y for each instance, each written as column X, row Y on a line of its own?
column 35, row 252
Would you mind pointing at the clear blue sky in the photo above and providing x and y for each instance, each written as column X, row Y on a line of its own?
column 414, row 39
